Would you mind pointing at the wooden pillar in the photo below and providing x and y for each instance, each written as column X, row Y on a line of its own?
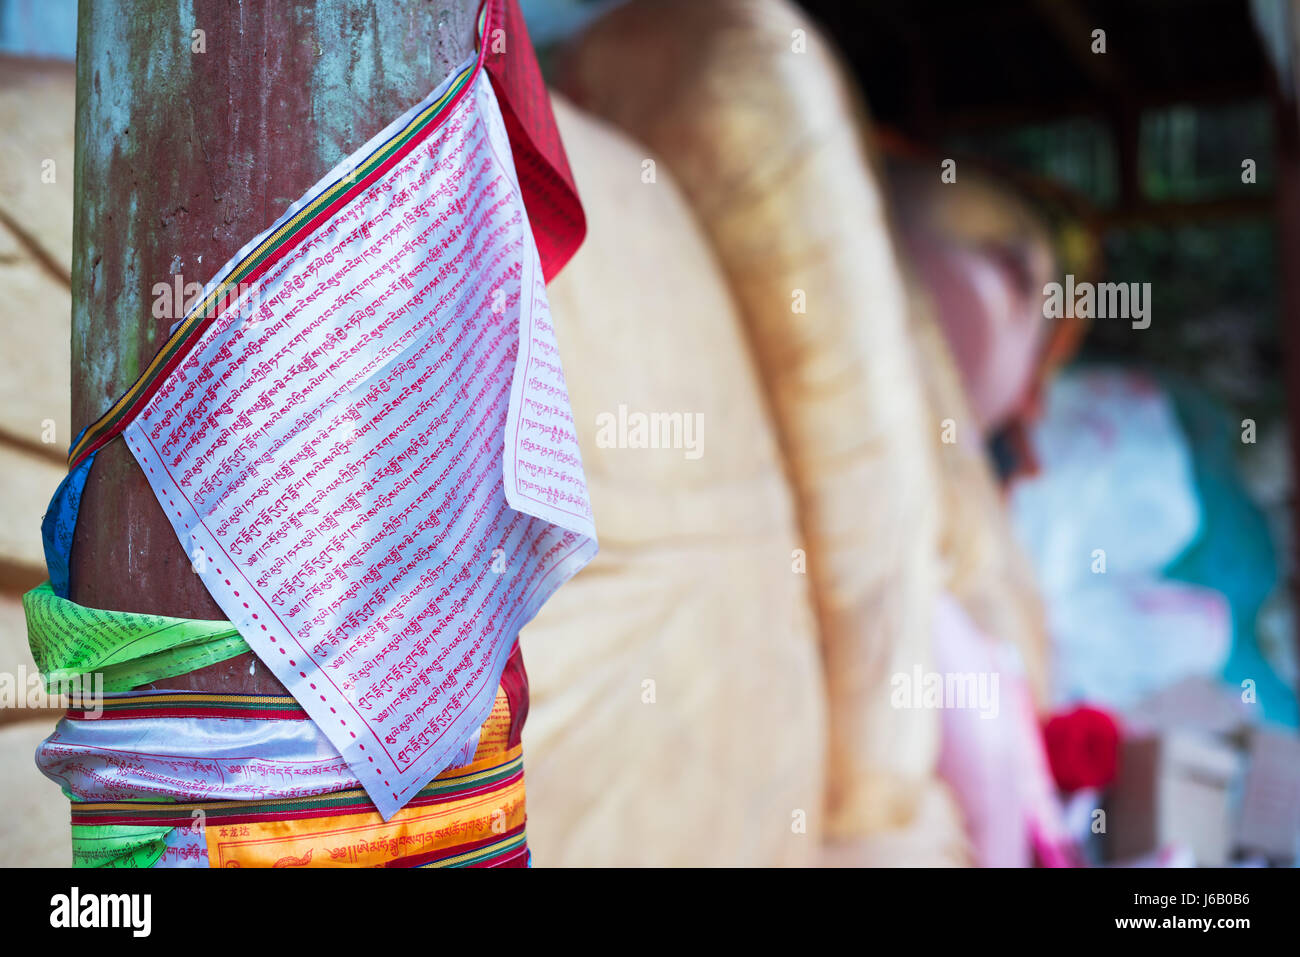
column 197, row 125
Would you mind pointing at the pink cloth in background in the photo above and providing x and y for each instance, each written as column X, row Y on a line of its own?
column 992, row 754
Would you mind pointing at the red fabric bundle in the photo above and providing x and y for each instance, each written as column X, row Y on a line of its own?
column 1082, row 748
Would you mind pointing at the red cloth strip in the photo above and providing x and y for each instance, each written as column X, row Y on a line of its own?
column 545, row 180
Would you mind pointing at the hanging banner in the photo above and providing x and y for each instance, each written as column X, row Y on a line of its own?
column 368, row 451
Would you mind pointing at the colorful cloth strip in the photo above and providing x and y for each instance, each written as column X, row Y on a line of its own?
column 195, row 746
column 470, row 816
column 168, row 779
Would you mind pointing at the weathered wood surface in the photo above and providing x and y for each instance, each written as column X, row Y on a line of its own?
column 182, row 157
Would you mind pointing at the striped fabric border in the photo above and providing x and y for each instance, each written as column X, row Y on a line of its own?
column 489, row 854
column 188, row 704
column 494, row 771
column 273, row 248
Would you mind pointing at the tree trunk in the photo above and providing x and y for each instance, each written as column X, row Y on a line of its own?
column 193, row 135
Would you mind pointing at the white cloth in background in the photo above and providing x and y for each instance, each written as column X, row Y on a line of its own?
column 1116, row 491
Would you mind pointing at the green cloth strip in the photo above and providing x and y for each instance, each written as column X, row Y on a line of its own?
column 129, row 649
column 112, row 845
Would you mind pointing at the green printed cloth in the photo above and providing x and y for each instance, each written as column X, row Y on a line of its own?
column 128, row 648
column 117, row 846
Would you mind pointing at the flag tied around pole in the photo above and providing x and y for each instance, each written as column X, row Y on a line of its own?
column 361, row 434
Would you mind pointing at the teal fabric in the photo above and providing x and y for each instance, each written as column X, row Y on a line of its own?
column 1234, row 552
